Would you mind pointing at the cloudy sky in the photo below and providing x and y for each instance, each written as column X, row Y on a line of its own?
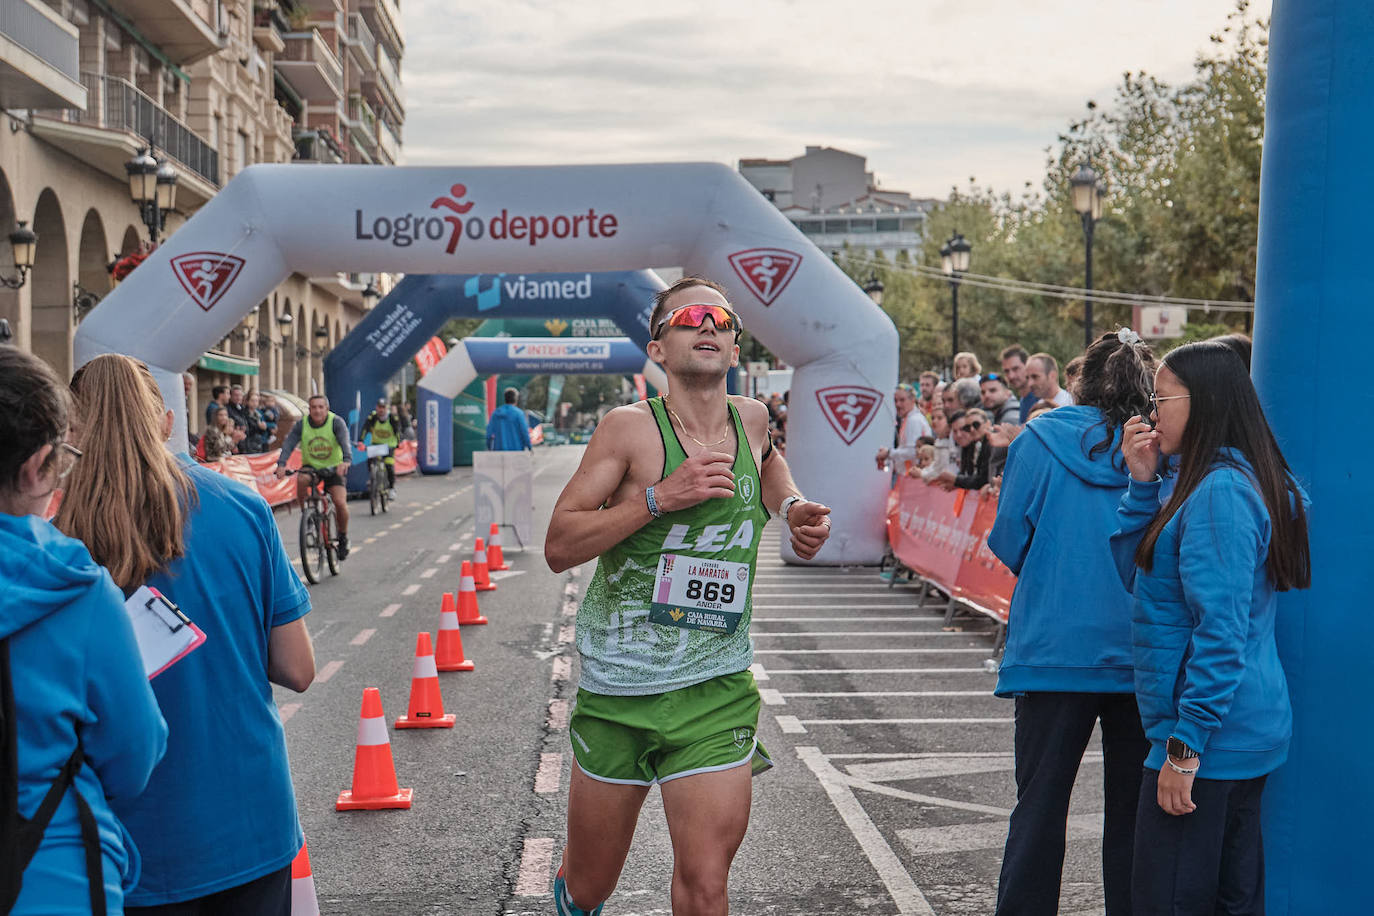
column 931, row 91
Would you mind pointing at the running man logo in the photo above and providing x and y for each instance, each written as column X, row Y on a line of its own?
column 849, row 408
column 555, row 326
column 766, row 271
column 206, row 275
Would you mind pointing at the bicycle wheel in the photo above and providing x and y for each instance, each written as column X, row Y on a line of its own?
column 312, row 550
column 374, row 494
column 382, row 486
column 329, row 531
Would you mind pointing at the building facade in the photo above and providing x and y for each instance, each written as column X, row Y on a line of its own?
column 215, row 86
column 830, row 195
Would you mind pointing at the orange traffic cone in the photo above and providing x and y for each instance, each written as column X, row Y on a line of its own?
column 468, row 613
column 374, row 775
column 303, row 900
column 496, row 560
column 450, row 656
column 426, row 703
column 479, row 568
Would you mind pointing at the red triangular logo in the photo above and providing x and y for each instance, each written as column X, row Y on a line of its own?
column 849, row 408
column 766, row 271
column 206, row 275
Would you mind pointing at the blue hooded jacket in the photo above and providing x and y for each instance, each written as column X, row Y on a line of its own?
column 1070, row 617
column 1207, row 665
column 77, row 673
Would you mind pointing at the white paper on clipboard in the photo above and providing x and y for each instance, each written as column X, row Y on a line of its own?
column 165, row 635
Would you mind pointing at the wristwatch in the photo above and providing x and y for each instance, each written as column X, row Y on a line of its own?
column 1180, row 751
column 787, row 506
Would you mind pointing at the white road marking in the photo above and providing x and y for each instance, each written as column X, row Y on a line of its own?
column 550, row 772
column 455, row 547
column 771, row 697
column 362, row 637
column 390, row 610
column 382, row 534
column 442, row 558
column 562, row 668
column 921, row 799
column 411, row 589
column 287, row 710
column 369, row 540
column 790, row 725
column 505, row 574
column 329, row 670
column 558, row 715
column 566, row 634
column 904, row 892
column 867, row 651
column 397, row 525
column 429, row 573
column 760, row 673
column 536, row 860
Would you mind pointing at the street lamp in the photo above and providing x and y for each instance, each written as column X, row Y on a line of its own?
column 23, row 240
column 1088, row 193
column 954, row 260
column 874, row 288
column 370, row 296
column 153, row 186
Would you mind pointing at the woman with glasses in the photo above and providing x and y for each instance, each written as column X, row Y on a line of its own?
column 212, row 547
column 1067, row 661
column 86, row 729
column 1204, row 569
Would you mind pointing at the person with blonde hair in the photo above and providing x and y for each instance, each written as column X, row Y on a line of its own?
column 966, row 365
column 211, row 546
column 84, row 729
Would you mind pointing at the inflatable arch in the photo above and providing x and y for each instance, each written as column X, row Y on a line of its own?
column 356, row 371
column 507, row 356
column 1315, row 193
column 271, row 220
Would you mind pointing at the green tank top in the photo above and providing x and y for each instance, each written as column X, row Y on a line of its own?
column 623, row 652
column 320, row 448
column 383, row 433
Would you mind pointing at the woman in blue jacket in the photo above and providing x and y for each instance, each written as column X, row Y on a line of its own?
column 217, row 826
column 80, row 695
column 1204, row 569
column 1068, row 651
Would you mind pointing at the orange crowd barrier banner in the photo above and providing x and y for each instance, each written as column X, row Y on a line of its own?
column 943, row 537
column 406, row 461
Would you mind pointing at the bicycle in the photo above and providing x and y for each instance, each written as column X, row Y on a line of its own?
column 377, row 486
column 318, row 530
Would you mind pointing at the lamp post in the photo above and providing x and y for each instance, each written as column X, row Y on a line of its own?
column 954, row 260
column 370, row 296
column 1087, row 201
column 874, row 289
column 153, row 186
column 24, row 241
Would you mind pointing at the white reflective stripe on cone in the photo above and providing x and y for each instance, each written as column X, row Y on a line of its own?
column 468, row 584
column 424, row 666
column 496, row 539
column 448, row 620
column 303, row 900
column 480, row 556
column 372, row 732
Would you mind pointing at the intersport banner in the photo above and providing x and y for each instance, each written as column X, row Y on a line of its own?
column 943, row 537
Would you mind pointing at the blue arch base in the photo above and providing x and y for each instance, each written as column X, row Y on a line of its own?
column 508, row 356
column 356, row 371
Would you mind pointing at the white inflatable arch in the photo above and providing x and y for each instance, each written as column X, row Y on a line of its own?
column 271, row 220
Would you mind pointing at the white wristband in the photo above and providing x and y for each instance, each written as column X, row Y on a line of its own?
column 1178, row 769
column 787, row 505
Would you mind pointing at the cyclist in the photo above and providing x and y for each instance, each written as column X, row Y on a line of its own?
column 385, row 430
column 687, row 483
column 323, row 438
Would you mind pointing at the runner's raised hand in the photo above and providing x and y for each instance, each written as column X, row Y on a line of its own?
column 703, row 476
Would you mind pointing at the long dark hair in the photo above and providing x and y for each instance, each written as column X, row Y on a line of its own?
column 1224, row 412
column 34, row 409
column 1117, row 379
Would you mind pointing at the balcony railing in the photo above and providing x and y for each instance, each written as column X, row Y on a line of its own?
column 318, row 145
column 28, row 26
column 362, row 121
column 117, row 104
column 361, row 38
column 311, row 65
column 32, row 26
column 390, row 79
column 385, row 20
column 388, row 141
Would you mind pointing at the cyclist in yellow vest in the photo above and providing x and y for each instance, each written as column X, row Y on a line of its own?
column 670, row 500
column 323, row 438
column 385, row 430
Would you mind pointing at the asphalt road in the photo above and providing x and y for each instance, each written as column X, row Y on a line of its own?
column 893, row 774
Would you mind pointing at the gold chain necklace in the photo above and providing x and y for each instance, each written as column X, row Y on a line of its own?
column 692, row 437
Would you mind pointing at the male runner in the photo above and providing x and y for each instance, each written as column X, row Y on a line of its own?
column 323, row 438
column 385, row 430
column 671, row 499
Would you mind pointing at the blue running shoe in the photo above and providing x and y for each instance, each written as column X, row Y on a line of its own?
column 564, row 903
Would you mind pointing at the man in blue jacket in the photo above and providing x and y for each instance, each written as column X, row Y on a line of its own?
column 508, row 430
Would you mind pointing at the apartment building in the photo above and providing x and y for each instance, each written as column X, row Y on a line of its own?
column 216, row 85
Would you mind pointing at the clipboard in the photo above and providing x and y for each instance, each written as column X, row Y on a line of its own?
column 165, row 635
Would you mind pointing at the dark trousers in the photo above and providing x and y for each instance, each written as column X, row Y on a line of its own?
column 269, row 895
column 1208, row 863
column 1052, row 732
